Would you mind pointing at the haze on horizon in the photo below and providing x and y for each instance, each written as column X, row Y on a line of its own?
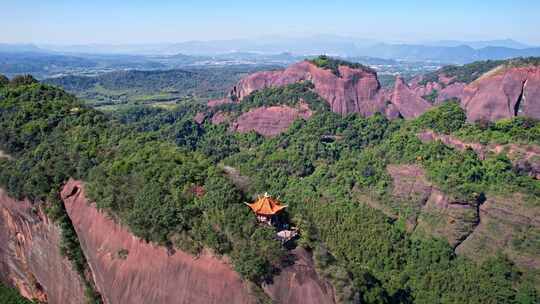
column 163, row 21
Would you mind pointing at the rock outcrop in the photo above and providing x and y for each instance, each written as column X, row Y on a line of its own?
column 30, row 258
column 270, row 121
column 299, row 283
column 353, row 91
column 129, row 270
column 503, row 93
column 509, row 224
column 434, row 212
column 408, row 102
column 525, row 158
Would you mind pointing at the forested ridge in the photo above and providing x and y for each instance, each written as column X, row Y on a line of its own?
column 468, row 73
column 143, row 164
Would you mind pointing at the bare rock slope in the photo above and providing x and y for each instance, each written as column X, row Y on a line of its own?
column 128, row 270
column 30, row 258
column 435, row 212
column 508, row 224
column 504, row 92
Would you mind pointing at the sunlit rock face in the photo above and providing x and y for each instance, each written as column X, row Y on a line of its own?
column 270, row 121
column 504, row 92
column 30, row 258
column 352, row 91
column 127, row 269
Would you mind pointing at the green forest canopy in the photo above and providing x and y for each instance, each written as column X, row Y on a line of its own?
column 142, row 165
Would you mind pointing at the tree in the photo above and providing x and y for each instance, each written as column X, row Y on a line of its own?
column 20, row 80
column 4, row 81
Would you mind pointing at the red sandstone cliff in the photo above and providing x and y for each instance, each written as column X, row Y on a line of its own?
column 479, row 232
column 270, row 121
column 504, row 92
column 433, row 212
column 146, row 273
column 30, row 258
column 353, row 91
column 523, row 157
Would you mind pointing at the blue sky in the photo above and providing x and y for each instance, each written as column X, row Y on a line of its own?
column 155, row 21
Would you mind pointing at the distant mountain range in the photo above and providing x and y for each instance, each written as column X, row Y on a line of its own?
column 454, row 54
column 507, row 43
column 447, row 51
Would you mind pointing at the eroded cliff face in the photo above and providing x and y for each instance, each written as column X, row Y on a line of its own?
column 408, row 102
column 353, row 91
column 30, row 258
column 127, row 269
column 299, row 283
column 270, row 121
column 434, row 212
column 503, row 93
column 525, row 158
column 509, row 224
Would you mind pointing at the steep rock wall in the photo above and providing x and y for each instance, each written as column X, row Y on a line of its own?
column 509, row 224
column 504, row 92
column 353, row 91
column 128, row 270
column 270, row 121
column 434, row 212
column 30, row 258
column 525, row 158
column 299, row 283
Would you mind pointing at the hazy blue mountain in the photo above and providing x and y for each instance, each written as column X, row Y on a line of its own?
column 311, row 45
column 43, row 65
column 17, row 48
column 507, row 43
column 458, row 54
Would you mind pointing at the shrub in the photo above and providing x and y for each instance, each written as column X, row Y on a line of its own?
column 446, row 118
column 21, row 80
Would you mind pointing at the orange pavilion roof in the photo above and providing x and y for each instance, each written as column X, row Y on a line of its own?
column 266, row 205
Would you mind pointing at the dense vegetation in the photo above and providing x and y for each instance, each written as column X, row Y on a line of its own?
column 11, row 296
column 465, row 73
column 145, row 166
column 470, row 72
column 333, row 64
column 517, row 130
column 290, row 95
column 143, row 87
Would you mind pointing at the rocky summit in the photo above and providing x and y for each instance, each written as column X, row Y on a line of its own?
column 508, row 90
